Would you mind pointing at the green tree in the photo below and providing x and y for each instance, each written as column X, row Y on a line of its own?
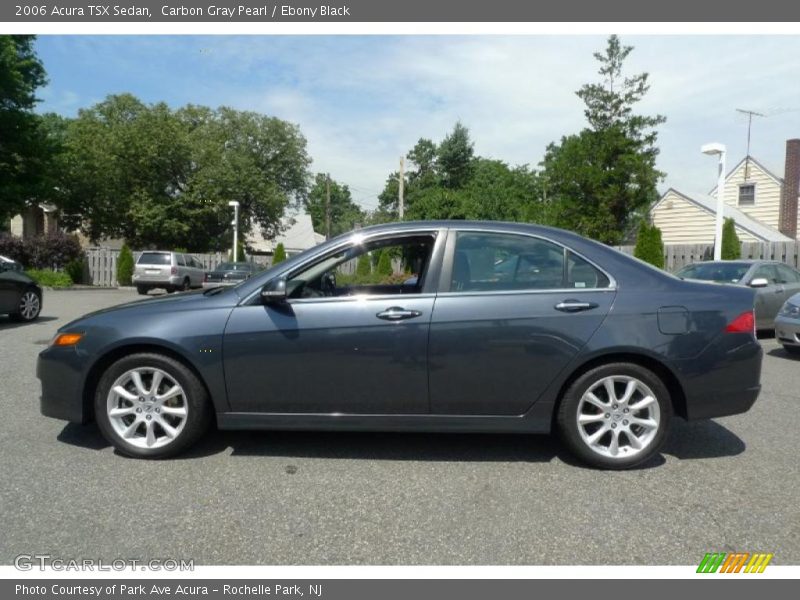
column 24, row 152
column 454, row 158
column 731, row 246
column 163, row 177
column 363, row 268
column 279, row 255
column 384, row 267
column 649, row 245
column 125, row 266
column 604, row 178
column 344, row 213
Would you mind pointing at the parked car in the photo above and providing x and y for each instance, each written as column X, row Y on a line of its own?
column 605, row 352
column 8, row 264
column 229, row 273
column 20, row 296
column 168, row 270
column 787, row 325
column 773, row 281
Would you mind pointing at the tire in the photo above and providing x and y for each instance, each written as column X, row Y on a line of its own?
column 792, row 349
column 156, row 428
column 141, row 290
column 186, row 286
column 29, row 306
column 603, row 421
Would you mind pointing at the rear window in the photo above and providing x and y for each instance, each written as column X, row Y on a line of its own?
column 154, row 258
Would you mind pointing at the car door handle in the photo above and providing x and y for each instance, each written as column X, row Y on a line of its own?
column 574, row 306
column 397, row 313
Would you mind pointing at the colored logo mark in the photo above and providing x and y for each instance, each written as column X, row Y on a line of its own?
column 734, row 562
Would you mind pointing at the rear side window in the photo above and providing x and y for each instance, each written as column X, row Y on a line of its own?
column 154, row 258
column 581, row 274
column 181, row 260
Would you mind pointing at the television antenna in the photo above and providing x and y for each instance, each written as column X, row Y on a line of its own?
column 750, row 114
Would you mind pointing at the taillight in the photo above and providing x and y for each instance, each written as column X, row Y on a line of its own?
column 174, row 270
column 744, row 323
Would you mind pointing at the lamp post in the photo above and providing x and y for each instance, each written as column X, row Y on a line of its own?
column 719, row 150
column 235, row 224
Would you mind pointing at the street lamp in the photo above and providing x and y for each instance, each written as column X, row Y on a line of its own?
column 235, row 224
column 711, row 150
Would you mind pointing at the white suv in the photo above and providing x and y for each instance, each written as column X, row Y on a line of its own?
column 168, row 270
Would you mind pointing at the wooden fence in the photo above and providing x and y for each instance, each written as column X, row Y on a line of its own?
column 680, row 255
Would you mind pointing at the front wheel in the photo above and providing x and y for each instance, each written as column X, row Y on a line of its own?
column 615, row 416
column 151, row 406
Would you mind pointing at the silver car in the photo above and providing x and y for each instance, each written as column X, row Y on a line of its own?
column 787, row 325
column 773, row 281
column 171, row 271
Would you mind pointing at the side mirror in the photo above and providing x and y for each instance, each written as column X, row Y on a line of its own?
column 274, row 292
column 759, row 282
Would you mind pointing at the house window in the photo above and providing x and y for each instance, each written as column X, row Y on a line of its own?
column 747, row 195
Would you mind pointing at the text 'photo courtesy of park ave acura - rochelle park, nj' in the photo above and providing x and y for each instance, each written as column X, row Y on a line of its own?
column 400, row 300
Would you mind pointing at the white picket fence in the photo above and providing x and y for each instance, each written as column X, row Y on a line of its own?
column 102, row 264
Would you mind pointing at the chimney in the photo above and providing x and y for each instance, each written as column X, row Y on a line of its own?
column 787, row 220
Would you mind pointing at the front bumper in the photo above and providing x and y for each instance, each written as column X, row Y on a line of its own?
column 60, row 371
column 787, row 331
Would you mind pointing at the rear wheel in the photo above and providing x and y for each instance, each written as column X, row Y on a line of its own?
column 187, row 285
column 29, row 306
column 151, row 406
column 141, row 290
column 615, row 416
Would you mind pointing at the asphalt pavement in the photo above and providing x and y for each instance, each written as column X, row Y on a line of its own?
column 726, row 485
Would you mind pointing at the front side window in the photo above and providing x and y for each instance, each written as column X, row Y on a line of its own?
column 381, row 267
column 747, row 195
column 767, row 272
column 787, row 274
column 502, row 262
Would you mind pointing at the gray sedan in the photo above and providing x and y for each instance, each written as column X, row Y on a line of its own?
column 773, row 281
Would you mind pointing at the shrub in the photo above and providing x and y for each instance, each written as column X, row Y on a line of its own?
column 280, row 254
column 363, row 268
column 51, row 251
column 731, row 246
column 649, row 246
column 50, row 278
column 13, row 247
column 125, row 266
column 75, row 269
column 385, row 264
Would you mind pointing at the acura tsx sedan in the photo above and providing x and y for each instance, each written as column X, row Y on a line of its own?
column 448, row 326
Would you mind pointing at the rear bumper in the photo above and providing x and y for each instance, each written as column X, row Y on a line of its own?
column 157, row 281
column 724, row 380
column 60, row 373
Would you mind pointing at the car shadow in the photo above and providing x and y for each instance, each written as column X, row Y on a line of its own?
column 702, row 439
column 781, row 352
column 7, row 322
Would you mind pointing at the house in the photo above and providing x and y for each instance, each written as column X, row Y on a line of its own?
column 297, row 234
column 36, row 219
column 763, row 205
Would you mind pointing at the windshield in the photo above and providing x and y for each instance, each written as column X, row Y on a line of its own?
column 714, row 271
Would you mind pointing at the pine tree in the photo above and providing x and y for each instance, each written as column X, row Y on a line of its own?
column 280, row 254
column 125, row 266
column 649, row 246
column 385, row 264
column 731, row 246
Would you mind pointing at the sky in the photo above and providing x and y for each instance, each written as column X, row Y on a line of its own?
column 363, row 101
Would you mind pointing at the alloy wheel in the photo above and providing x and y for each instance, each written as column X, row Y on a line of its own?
column 29, row 306
column 147, row 407
column 618, row 417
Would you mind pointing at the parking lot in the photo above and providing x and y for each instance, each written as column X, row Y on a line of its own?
column 339, row 498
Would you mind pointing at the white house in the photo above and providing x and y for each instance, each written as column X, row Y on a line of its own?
column 763, row 205
column 297, row 234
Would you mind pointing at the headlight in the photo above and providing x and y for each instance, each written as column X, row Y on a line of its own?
column 790, row 310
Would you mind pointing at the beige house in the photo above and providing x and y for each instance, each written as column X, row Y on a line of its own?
column 297, row 234
column 36, row 219
column 763, row 205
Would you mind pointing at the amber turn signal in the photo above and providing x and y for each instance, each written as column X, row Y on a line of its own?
column 67, row 339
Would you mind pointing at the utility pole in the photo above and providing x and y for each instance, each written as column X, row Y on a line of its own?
column 401, row 209
column 328, row 206
column 750, row 114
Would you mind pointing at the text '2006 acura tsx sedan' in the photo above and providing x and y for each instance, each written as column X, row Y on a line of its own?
column 428, row 326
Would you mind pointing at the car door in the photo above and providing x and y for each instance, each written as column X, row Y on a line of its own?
column 789, row 279
column 9, row 291
column 196, row 268
column 514, row 311
column 351, row 337
column 768, row 299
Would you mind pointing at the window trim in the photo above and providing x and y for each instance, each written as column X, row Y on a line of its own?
column 739, row 195
column 446, row 275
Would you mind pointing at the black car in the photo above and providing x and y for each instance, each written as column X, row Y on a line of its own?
column 229, row 273
column 20, row 296
column 504, row 327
